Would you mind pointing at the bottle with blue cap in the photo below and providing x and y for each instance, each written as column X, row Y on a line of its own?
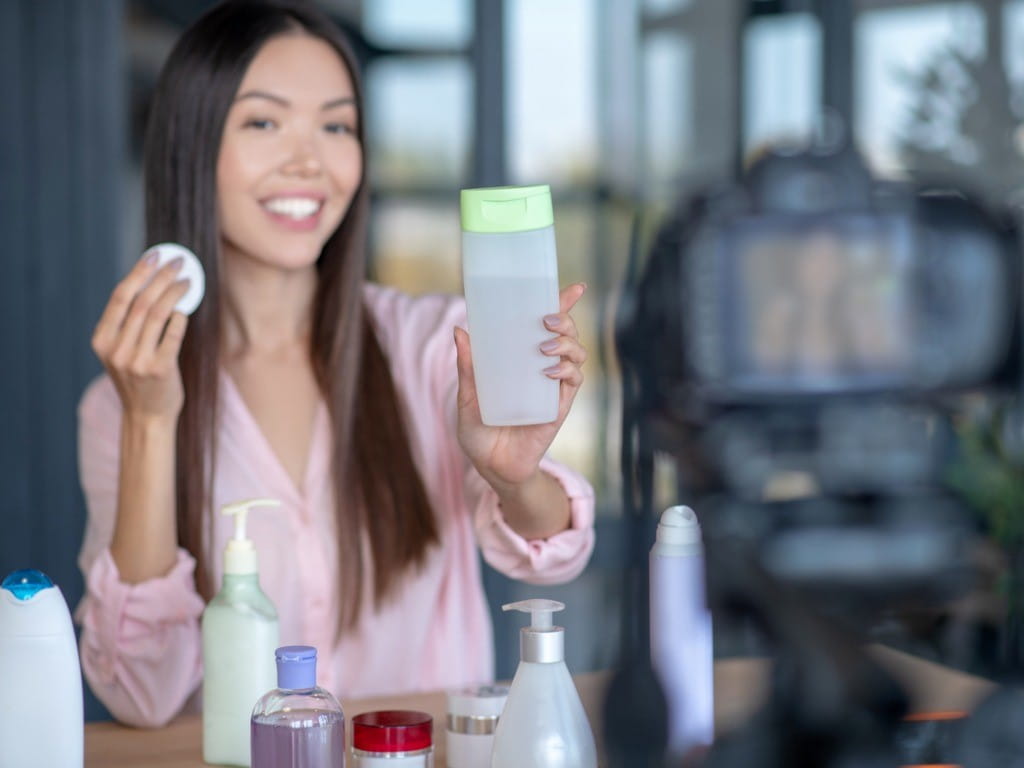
column 510, row 277
column 297, row 724
column 240, row 633
column 40, row 678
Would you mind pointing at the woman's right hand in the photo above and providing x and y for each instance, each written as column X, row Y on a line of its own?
column 138, row 338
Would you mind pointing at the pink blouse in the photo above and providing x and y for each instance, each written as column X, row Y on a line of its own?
column 140, row 646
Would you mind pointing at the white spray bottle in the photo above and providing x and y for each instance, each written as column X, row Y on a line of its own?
column 240, row 635
column 681, row 641
column 40, row 679
column 543, row 724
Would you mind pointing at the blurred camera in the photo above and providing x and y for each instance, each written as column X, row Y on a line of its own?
column 796, row 337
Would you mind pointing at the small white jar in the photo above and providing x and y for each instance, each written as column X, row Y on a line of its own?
column 393, row 738
column 472, row 719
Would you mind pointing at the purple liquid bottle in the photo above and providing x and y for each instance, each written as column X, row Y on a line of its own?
column 297, row 725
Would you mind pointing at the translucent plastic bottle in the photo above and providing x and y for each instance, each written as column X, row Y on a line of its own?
column 40, row 679
column 510, row 277
column 240, row 633
column 297, row 725
column 543, row 724
column 681, row 639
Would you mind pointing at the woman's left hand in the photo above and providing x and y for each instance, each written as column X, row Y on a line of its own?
column 509, row 456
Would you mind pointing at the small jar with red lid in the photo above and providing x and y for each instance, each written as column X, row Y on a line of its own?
column 393, row 738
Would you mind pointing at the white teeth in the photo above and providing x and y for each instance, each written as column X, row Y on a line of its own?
column 292, row 207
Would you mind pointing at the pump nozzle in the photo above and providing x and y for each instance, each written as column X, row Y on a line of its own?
column 239, row 554
column 542, row 641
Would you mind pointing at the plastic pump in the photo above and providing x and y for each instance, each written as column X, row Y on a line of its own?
column 541, row 642
column 240, row 554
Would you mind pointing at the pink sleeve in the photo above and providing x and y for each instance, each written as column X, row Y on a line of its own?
column 140, row 647
column 420, row 332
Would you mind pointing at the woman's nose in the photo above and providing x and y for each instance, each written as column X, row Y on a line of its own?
column 304, row 160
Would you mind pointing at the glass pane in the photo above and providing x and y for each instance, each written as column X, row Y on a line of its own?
column 668, row 97
column 902, row 64
column 416, row 246
column 418, row 121
column 577, row 443
column 438, row 23
column 781, row 79
column 655, row 7
column 552, row 87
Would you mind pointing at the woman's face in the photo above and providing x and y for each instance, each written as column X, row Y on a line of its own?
column 290, row 160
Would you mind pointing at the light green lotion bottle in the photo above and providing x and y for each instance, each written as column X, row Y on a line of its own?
column 240, row 635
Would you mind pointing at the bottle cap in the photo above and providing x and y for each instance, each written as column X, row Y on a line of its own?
column 541, row 642
column 296, row 667
column 191, row 270
column 24, row 584
column 239, row 554
column 678, row 525
column 392, row 730
column 506, row 209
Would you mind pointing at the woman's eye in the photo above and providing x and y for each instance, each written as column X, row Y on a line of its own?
column 339, row 128
column 258, row 123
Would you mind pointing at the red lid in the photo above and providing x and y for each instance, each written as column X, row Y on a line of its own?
column 392, row 730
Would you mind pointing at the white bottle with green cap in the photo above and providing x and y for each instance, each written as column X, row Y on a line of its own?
column 240, row 635
column 510, row 277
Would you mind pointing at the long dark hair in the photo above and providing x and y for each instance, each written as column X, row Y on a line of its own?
column 379, row 494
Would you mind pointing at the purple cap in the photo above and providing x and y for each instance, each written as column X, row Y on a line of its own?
column 296, row 667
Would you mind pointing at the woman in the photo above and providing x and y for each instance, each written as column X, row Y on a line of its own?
column 353, row 404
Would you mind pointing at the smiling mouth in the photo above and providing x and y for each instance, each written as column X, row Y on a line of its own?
column 294, row 208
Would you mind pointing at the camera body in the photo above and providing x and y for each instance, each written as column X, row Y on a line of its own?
column 796, row 340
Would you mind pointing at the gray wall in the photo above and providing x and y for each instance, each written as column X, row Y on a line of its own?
column 60, row 161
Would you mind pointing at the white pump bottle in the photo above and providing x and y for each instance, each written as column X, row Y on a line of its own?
column 240, row 635
column 543, row 724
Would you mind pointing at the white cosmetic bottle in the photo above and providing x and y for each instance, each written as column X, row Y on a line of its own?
column 510, row 277
column 681, row 638
column 240, row 636
column 40, row 679
column 543, row 724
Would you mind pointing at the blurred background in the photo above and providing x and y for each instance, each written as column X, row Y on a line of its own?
column 623, row 106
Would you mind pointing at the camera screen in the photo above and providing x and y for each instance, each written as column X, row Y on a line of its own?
column 820, row 304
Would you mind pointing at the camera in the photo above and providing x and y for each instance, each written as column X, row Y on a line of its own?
column 796, row 339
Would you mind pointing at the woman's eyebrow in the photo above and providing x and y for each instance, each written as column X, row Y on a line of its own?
column 264, row 95
column 343, row 101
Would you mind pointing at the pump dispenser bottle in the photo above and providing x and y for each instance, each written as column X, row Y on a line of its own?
column 240, row 634
column 543, row 724
column 681, row 640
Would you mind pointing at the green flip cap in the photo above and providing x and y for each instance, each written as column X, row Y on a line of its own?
column 506, row 209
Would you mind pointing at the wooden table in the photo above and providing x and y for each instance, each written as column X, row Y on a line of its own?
column 740, row 685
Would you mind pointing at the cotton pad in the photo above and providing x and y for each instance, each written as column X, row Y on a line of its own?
column 191, row 270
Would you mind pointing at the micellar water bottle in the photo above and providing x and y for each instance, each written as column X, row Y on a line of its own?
column 40, row 678
column 297, row 725
column 510, row 277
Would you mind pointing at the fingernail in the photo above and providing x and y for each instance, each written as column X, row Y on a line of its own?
column 175, row 263
column 549, row 346
column 553, row 368
column 552, row 321
column 584, row 286
column 150, row 257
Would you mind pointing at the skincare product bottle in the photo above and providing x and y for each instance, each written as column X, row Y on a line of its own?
column 297, row 724
column 543, row 724
column 393, row 738
column 472, row 719
column 40, row 679
column 510, row 274
column 240, row 633
column 681, row 640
